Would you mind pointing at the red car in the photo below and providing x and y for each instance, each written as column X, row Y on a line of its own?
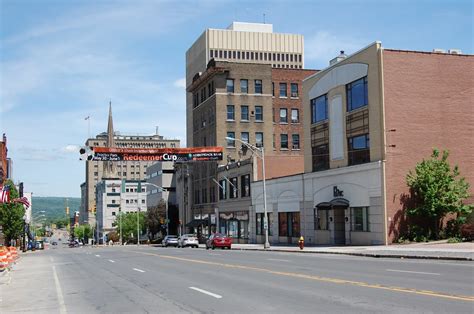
column 218, row 240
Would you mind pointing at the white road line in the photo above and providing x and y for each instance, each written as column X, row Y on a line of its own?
column 206, row 292
column 111, row 261
column 136, row 269
column 62, row 306
column 413, row 272
column 278, row 260
column 215, row 254
column 97, row 255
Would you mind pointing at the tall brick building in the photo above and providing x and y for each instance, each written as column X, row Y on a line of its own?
column 368, row 119
column 239, row 100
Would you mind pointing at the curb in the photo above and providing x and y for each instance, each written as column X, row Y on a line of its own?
column 374, row 255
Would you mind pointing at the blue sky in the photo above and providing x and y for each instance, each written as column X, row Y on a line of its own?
column 61, row 61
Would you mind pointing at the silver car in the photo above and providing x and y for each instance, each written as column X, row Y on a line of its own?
column 170, row 240
column 188, row 240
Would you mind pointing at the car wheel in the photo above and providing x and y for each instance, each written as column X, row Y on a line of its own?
column 207, row 248
column 229, row 247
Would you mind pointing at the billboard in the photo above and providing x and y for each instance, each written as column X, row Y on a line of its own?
column 213, row 153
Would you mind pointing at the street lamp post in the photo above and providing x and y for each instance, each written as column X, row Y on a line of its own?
column 262, row 152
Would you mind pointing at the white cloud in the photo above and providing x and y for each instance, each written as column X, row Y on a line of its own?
column 324, row 46
column 181, row 83
column 70, row 149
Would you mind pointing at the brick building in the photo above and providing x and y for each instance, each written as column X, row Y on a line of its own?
column 3, row 158
column 238, row 100
column 369, row 118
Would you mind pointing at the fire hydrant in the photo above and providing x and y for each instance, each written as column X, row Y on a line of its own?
column 301, row 243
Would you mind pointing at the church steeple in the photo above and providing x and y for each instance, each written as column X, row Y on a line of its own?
column 109, row 171
column 110, row 128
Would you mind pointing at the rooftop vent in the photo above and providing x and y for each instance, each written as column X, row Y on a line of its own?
column 340, row 57
column 439, row 50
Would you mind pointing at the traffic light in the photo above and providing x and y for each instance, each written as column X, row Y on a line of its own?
column 20, row 188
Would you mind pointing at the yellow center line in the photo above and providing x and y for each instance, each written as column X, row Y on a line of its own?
column 319, row 278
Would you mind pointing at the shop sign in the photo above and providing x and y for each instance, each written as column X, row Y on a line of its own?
column 337, row 192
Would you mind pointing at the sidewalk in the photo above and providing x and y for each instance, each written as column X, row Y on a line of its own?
column 434, row 250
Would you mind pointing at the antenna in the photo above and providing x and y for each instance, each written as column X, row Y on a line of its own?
column 263, row 18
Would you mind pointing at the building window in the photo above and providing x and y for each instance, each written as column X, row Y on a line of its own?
column 113, row 213
column 283, row 90
column 223, row 190
column 212, row 194
column 261, row 223
column 258, row 86
column 321, row 219
column 258, row 113
column 358, row 149
column 294, row 90
column 204, row 195
column 244, row 136
column 259, row 139
column 283, row 115
column 230, row 85
column 357, row 96
column 359, row 219
column 233, row 185
column 244, row 113
column 320, row 157
column 319, row 109
column 273, row 89
column 96, row 174
column 289, row 224
column 245, row 185
column 284, row 141
column 113, row 201
column 231, row 141
column 295, row 116
column 244, row 86
column 230, row 112
column 295, row 141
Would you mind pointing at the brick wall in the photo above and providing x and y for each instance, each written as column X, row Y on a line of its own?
column 429, row 102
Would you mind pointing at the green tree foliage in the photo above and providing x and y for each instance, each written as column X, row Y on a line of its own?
column 154, row 216
column 438, row 190
column 83, row 232
column 129, row 225
column 11, row 215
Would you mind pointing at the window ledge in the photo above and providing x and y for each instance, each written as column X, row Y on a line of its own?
column 283, row 97
column 228, row 120
column 283, row 122
column 294, row 97
column 259, row 121
column 244, row 121
column 284, row 149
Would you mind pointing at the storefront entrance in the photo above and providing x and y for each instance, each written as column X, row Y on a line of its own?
column 339, row 225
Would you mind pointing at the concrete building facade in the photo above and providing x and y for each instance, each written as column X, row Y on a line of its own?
column 369, row 118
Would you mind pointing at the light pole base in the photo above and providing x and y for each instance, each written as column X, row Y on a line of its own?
column 266, row 245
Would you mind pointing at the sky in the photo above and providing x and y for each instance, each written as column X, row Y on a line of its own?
column 61, row 61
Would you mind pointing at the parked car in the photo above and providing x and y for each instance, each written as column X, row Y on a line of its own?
column 39, row 245
column 188, row 240
column 74, row 243
column 218, row 240
column 170, row 240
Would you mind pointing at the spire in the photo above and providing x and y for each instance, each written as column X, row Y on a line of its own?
column 110, row 129
column 109, row 171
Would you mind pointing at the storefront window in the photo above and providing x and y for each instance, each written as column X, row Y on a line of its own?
column 260, row 223
column 245, row 185
column 360, row 219
column 289, row 224
column 234, row 224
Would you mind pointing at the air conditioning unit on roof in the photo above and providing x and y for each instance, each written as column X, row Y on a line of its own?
column 455, row 51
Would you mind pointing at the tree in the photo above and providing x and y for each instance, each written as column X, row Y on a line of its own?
column 83, row 232
column 129, row 224
column 154, row 217
column 11, row 215
column 438, row 190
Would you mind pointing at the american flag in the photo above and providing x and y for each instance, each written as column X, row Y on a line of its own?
column 22, row 200
column 5, row 197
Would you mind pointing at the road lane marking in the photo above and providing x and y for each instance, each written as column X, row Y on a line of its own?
column 469, row 298
column 97, row 255
column 277, row 260
column 215, row 254
column 136, row 269
column 207, row 292
column 413, row 272
column 111, row 261
column 59, row 292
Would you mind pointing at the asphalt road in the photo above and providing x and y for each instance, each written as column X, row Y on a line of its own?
column 168, row 280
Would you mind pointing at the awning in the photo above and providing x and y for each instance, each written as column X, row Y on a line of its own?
column 324, row 206
column 196, row 223
column 337, row 202
column 340, row 202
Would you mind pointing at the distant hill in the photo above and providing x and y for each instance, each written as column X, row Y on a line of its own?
column 55, row 207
